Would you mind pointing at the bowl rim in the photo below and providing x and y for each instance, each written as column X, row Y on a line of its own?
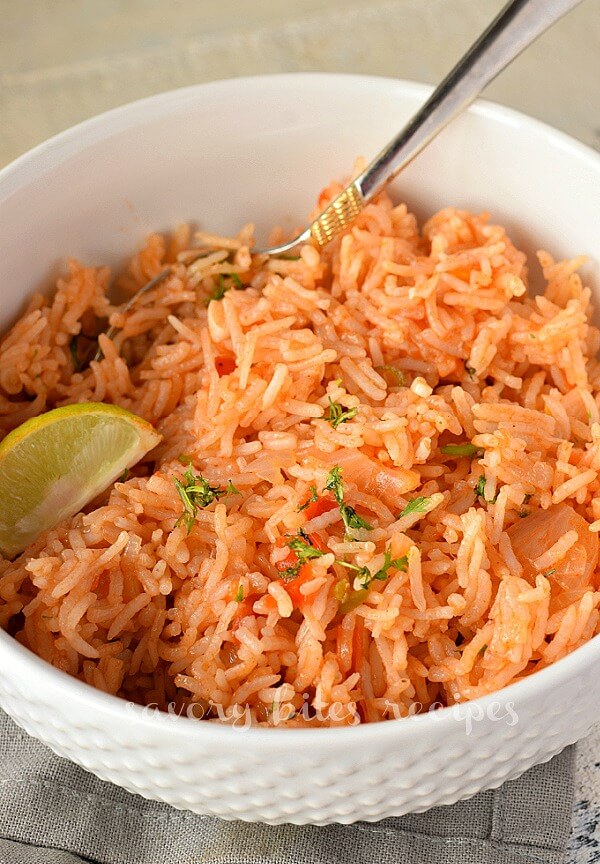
column 59, row 147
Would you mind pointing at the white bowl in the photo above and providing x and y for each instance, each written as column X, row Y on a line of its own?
column 261, row 148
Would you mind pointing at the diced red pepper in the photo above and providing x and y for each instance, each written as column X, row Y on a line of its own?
column 318, row 543
column 293, row 587
column 224, row 365
column 320, row 506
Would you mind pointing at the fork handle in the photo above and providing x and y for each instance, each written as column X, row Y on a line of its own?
column 518, row 24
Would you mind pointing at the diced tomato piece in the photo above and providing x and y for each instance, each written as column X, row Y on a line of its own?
column 244, row 608
column 293, row 587
column 224, row 365
column 320, row 506
column 317, row 541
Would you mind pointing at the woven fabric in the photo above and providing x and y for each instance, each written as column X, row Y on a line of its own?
column 53, row 812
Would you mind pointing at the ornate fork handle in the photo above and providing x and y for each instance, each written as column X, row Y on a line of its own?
column 517, row 26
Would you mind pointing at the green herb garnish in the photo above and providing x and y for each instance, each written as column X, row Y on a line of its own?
column 230, row 489
column 336, row 414
column 223, row 286
column 123, row 476
column 480, row 490
column 185, row 459
column 388, row 562
column 314, row 496
column 467, row 449
column 304, row 550
column 363, row 574
column 349, row 515
column 550, row 572
column 195, row 493
column 470, row 372
column 239, row 594
column 417, row 505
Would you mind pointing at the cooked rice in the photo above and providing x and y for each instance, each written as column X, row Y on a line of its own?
column 429, row 338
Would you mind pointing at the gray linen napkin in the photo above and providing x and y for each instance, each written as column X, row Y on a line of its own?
column 53, row 812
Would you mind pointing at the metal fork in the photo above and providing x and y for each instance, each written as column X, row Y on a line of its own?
column 518, row 24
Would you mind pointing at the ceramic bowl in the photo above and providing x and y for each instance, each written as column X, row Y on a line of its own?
column 260, row 149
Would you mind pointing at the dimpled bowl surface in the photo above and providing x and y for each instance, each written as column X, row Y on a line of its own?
column 260, row 149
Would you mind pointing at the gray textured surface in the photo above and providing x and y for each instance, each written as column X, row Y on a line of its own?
column 50, row 808
column 65, row 60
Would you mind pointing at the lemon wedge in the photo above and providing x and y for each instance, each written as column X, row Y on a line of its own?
column 54, row 464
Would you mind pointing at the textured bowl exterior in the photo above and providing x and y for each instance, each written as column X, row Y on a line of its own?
column 89, row 191
column 314, row 776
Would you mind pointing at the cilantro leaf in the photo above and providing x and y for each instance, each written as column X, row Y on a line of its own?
column 223, row 285
column 314, row 496
column 336, row 414
column 303, row 549
column 351, row 518
column 480, row 490
column 417, row 505
column 195, row 492
column 334, row 483
column 389, row 562
column 349, row 515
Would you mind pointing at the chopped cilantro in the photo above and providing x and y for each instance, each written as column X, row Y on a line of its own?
column 336, row 414
column 239, row 594
column 352, row 519
column 195, row 492
column 480, row 487
column 470, row 372
column 123, row 476
column 223, row 285
column 550, row 572
column 388, row 562
column 466, row 449
column 185, row 459
column 304, row 550
column 480, row 490
column 362, row 573
column 483, row 649
column 314, row 496
column 230, row 489
column 417, row 505
column 349, row 515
